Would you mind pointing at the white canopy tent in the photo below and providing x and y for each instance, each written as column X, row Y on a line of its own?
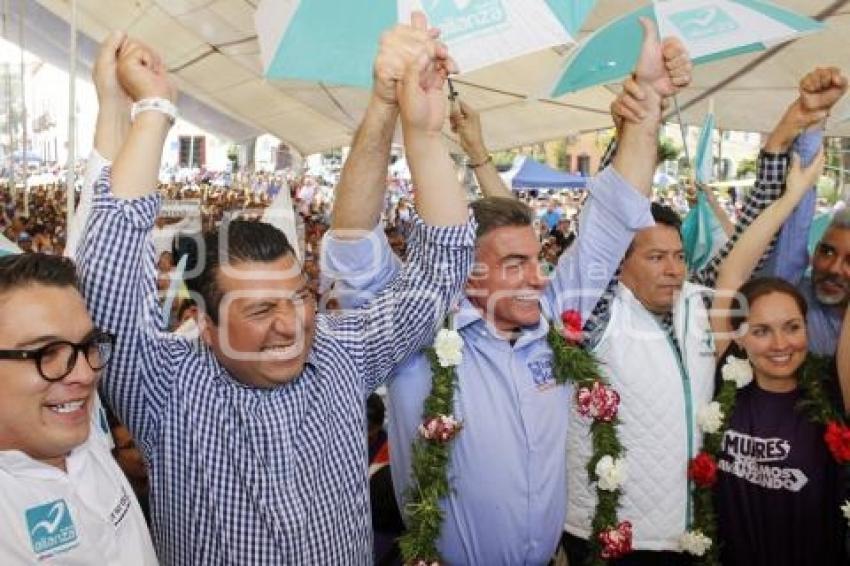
column 211, row 47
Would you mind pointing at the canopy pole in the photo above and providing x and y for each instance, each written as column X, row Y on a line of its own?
column 658, row 26
column 22, row 14
column 10, row 127
column 70, row 173
column 682, row 130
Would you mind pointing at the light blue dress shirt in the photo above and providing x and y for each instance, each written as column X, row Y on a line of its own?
column 508, row 465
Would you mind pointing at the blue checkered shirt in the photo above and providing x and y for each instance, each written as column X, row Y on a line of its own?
column 248, row 476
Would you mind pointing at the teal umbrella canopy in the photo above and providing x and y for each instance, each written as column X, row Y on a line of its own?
column 335, row 42
column 712, row 30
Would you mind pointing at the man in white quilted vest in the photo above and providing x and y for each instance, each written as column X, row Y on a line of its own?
column 651, row 333
column 656, row 350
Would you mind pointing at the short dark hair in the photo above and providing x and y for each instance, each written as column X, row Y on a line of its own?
column 759, row 287
column 247, row 240
column 663, row 215
column 20, row 270
column 375, row 410
column 497, row 212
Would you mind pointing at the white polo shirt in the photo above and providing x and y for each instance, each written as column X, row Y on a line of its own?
column 88, row 515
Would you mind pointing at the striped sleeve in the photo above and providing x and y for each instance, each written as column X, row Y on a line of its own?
column 770, row 182
column 118, row 277
column 404, row 316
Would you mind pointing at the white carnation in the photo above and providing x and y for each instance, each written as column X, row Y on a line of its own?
column 610, row 473
column 449, row 346
column 710, row 417
column 738, row 370
column 694, row 542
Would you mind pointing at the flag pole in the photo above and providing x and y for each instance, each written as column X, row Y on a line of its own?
column 658, row 23
column 70, row 173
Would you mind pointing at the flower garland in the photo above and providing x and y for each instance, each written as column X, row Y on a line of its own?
column 714, row 418
column 596, row 400
column 430, row 463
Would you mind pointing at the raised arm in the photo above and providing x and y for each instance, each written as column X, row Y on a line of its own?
column 466, row 122
column 111, row 128
column 440, row 200
column 116, row 258
column 741, row 261
column 360, row 194
column 819, row 91
column 135, row 172
column 405, row 315
column 617, row 205
column 662, row 69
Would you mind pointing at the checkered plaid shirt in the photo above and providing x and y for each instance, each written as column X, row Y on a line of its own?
column 770, row 182
column 246, row 476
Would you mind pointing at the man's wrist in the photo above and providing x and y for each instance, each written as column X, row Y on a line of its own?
column 379, row 104
column 651, row 104
column 153, row 121
column 478, row 155
column 781, row 138
column 114, row 107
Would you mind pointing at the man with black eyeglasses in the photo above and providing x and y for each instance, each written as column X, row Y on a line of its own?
column 62, row 496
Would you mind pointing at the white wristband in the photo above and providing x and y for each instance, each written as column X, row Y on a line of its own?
column 161, row 105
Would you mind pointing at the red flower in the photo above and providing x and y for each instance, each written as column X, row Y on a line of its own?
column 572, row 325
column 837, row 438
column 703, row 470
column 616, row 542
column 599, row 402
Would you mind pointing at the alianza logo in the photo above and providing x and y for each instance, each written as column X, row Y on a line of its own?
column 460, row 18
column 50, row 527
column 703, row 22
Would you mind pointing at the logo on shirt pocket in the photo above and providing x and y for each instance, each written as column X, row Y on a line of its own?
column 51, row 528
column 542, row 373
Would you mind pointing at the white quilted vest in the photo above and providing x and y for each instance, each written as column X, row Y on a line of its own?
column 659, row 399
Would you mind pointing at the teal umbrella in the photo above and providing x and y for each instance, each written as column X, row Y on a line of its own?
column 711, row 30
column 700, row 225
column 704, row 158
column 333, row 41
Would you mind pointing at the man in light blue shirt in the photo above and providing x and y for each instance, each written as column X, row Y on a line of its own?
column 507, row 469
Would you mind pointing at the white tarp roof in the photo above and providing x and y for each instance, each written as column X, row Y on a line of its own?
column 211, row 47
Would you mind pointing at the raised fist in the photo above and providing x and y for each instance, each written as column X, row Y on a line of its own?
column 142, row 74
column 822, row 88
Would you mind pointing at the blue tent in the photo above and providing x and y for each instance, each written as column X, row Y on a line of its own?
column 530, row 174
column 31, row 156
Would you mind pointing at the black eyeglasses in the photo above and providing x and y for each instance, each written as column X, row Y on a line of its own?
column 58, row 359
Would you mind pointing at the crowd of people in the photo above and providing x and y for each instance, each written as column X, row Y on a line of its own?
column 556, row 385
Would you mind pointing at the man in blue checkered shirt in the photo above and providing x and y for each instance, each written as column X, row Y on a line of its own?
column 255, row 437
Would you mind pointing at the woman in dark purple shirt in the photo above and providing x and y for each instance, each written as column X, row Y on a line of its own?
column 779, row 490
